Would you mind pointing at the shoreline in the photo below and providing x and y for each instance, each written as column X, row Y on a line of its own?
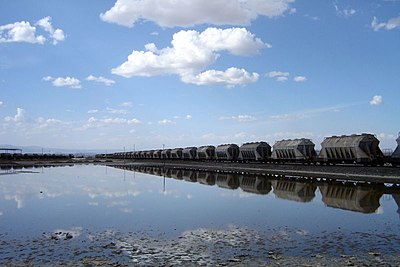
column 355, row 173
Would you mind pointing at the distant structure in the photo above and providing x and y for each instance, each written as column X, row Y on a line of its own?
column 8, row 150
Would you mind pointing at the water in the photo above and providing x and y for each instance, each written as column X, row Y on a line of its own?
column 96, row 204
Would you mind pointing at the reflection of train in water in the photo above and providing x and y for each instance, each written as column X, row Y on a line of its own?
column 361, row 149
column 346, row 196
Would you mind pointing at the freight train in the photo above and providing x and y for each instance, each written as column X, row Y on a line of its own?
column 354, row 149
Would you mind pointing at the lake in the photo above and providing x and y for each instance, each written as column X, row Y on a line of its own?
column 150, row 216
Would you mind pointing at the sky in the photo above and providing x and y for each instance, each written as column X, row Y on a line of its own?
column 143, row 74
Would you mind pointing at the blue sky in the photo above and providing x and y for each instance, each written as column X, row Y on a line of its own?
column 123, row 73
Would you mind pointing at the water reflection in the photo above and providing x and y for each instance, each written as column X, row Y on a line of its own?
column 294, row 190
column 363, row 198
column 358, row 198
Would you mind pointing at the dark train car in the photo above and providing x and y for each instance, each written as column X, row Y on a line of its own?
column 228, row 152
column 255, row 151
column 189, row 153
column 176, row 153
column 206, row 153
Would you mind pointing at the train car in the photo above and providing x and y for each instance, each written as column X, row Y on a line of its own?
column 228, row 152
column 166, row 154
column 149, row 154
column 361, row 148
column 189, row 153
column 157, row 154
column 206, row 153
column 296, row 150
column 142, row 154
column 255, row 151
column 176, row 153
column 396, row 154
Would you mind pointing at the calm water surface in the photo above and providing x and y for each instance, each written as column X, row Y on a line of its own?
column 87, row 199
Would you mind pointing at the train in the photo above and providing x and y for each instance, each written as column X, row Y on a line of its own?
column 345, row 149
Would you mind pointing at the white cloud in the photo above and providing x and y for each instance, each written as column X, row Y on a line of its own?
column 187, row 13
column 19, row 117
column 390, row 25
column 67, row 81
column 126, row 104
column 191, row 53
column 23, row 31
column 349, row 12
column 100, row 79
column 92, row 111
column 239, row 118
column 56, row 34
column 278, row 75
column 1, row 103
column 188, row 117
column 166, row 122
column 376, row 100
column 93, row 122
column 20, row 32
column 345, row 12
column 117, row 111
column 306, row 113
column 231, row 77
column 281, row 79
column 315, row 18
column 300, row 79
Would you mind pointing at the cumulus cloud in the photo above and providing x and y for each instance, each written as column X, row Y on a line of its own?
column 92, row 111
column 188, row 117
column 19, row 117
column 376, row 100
column 100, row 79
column 23, row 31
column 56, row 34
column 300, row 79
column 186, row 13
column 278, row 75
column 1, row 103
column 231, row 77
column 61, row 81
column 389, row 25
column 191, row 53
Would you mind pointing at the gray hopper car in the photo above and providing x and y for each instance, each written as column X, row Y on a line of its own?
column 298, row 150
column 166, row 154
column 149, row 154
column 256, row 151
column 396, row 153
column 362, row 148
column 206, row 153
column 176, row 153
column 189, row 153
column 157, row 154
column 227, row 152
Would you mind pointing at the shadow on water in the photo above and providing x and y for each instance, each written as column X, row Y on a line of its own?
column 356, row 197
